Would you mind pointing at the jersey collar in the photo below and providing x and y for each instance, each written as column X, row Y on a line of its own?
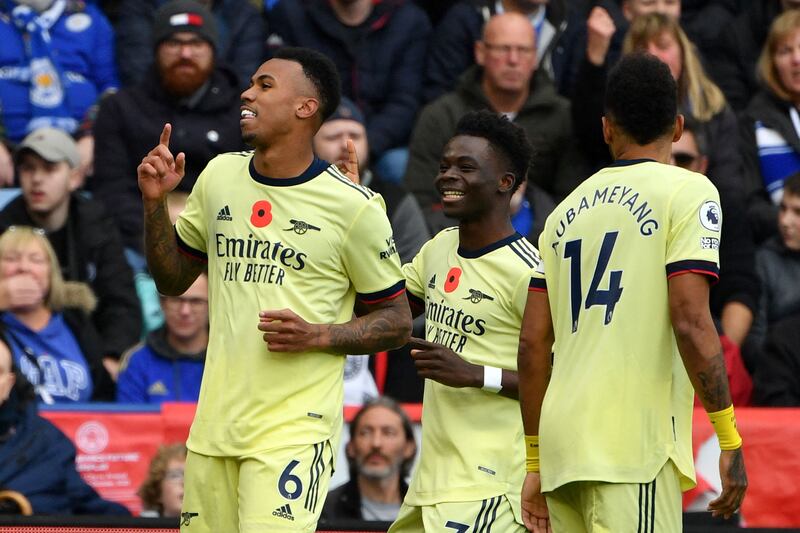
column 628, row 162
column 474, row 254
column 316, row 168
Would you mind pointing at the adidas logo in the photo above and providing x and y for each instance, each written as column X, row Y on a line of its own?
column 157, row 389
column 432, row 282
column 225, row 214
column 284, row 511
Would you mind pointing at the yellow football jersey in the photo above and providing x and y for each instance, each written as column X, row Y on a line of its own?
column 311, row 244
column 619, row 402
column 472, row 440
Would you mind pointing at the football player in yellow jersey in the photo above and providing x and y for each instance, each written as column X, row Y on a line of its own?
column 472, row 283
column 291, row 246
column 620, row 302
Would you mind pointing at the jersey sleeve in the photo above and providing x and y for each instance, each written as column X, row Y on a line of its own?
column 370, row 255
column 537, row 280
column 191, row 227
column 414, row 272
column 694, row 234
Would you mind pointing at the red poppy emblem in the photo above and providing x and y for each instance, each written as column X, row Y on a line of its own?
column 453, row 278
column 262, row 214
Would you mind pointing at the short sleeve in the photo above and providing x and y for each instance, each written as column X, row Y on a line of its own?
column 694, row 233
column 370, row 255
column 414, row 272
column 191, row 227
column 537, row 281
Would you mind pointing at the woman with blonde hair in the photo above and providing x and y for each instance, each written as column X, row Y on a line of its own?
column 698, row 96
column 162, row 491
column 770, row 125
column 45, row 322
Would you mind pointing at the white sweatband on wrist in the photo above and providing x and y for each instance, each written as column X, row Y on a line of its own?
column 492, row 379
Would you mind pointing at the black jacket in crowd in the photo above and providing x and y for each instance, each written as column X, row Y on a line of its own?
column 129, row 124
column 777, row 378
column 89, row 250
column 344, row 503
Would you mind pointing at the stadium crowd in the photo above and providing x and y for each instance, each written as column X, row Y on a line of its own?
column 87, row 86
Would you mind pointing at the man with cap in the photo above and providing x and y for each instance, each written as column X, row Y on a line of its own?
column 185, row 87
column 87, row 244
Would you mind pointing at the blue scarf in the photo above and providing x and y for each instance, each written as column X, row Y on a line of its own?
column 777, row 160
column 47, row 81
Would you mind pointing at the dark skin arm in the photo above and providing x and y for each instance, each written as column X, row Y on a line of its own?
column 533, row 361
column 436, row 362
column 702, row 356
column 382, row 326
column 158, row 174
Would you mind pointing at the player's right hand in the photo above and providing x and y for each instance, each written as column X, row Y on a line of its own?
column 535, row 515
column 160, row 172
column 734, row 483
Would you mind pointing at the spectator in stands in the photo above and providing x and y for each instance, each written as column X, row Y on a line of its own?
column 168, row 365
column 57, row 59
column 452, row 48
column 405, row 215
column 162, row 491
column 732, row 59
column 38, row 461
column 778, row 265
column 46, row 322
column 379, row 49
column 185, row 88
column 380, row 453
column 734, row 300
column 770, row 126
column 88, row 246
column 777, row 379
column 502, row 81
column 241, row 43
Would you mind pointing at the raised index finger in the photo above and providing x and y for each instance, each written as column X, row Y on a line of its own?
column 164, row 139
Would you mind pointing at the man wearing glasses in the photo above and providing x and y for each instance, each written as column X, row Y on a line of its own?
column 505, row 81
column 168, row 365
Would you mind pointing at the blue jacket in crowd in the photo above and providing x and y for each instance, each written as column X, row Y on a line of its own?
column 154, row 372
column 82, row 45
column 381, row 62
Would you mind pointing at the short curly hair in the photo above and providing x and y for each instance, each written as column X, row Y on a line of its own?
column 507, row 140
column 322, row 73
column 150, row 491
column 642, row 97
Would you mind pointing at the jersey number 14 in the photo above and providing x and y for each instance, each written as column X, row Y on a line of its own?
column 596, row 296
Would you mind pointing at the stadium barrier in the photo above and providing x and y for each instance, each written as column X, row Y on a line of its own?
column 115, row 444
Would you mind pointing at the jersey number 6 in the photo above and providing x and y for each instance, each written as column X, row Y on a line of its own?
column 288, row 480
column 596, row 296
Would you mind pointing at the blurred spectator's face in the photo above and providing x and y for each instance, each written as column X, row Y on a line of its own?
column 668, row 50
column 686, row 155
column 28, row 260
column 172, row 488
column 507, row 53
column 789, row 221
column 330, row 142
column 7, row 378
column 379, row 444
column 45, row 186
column 185, row 61
column 186, row 316
column 787, row 63
column 634, row 8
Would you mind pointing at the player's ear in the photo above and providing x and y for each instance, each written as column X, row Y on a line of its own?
column 307, row 108
column 506, row 182
column 678, row 131
column 607, row 136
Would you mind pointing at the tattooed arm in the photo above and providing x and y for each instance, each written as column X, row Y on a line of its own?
column 384, row 326
column 701, row 352
column 158, row 174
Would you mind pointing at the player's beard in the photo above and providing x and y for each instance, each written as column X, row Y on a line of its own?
column 185, row 83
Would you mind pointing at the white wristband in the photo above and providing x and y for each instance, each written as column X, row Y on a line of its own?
column 492, row 379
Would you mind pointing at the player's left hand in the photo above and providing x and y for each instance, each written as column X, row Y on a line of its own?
column 285, row 331
column 349, row 166
column 535, row 515
column 434, row 361
column 734, row 483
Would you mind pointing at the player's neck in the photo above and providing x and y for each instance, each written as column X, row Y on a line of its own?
column 286, row 160
column 380, row 490
column 480, row 233
column 657, row 151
